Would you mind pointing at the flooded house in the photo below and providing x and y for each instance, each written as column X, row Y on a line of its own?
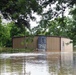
column 43, row 43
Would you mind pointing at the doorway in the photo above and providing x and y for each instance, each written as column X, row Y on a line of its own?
column 41, row 43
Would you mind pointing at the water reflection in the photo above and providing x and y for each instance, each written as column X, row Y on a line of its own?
column 38, row 64
column 74, row 63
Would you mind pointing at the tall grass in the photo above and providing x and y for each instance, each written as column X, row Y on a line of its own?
column 11, row 50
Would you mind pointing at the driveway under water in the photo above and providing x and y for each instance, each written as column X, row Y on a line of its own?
column 38, row 64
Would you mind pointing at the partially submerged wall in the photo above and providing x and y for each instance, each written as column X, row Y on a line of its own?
column 53, row 44
column 33, row 44
column 66, row 45
column 20, row 42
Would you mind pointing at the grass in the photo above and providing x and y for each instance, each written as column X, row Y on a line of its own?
column 11, row 50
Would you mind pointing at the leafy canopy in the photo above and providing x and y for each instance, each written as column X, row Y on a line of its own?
column 20, row 11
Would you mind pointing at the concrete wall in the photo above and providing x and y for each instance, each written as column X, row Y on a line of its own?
column 66, row 46
column 53, row 44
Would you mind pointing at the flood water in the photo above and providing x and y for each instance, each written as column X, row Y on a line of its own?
column 38, row 64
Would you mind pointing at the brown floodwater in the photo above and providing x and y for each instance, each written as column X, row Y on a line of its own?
column 38, row 64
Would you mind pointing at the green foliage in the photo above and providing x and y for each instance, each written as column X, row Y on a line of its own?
column 19, row 10
column 8, row 31
column 55, row 7
column 4, row 34
column 73, row 23
column 17, row 31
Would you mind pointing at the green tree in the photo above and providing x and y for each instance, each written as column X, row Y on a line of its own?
column 4, row 34
column 19, row 10
column 73, row 29
column 15, row 31
column 57, row 28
